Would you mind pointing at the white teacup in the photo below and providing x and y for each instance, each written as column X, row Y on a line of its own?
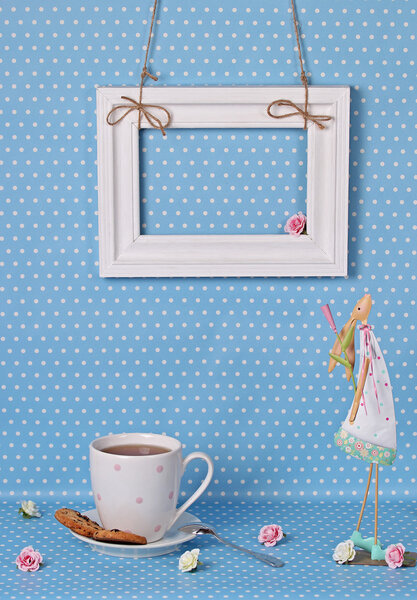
column 140, row 493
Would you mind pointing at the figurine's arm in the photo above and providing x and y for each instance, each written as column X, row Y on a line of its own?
column 349, row 351
column 358, row 395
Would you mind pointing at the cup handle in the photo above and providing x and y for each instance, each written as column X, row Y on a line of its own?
column 202, row 487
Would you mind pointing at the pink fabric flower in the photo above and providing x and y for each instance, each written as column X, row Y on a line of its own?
column 394, row 555
column 327, row 313
column 270, row 535
column 296, row 224
column 29, row 559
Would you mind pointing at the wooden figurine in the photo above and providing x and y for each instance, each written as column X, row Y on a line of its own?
column 369, row 430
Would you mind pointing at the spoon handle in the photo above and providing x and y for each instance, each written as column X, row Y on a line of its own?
column 266, row 558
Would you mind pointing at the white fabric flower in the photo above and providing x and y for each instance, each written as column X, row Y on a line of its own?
column 344, row 552
column 30, row 509
column 189, row 560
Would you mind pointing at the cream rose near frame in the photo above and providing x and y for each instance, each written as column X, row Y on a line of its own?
column 322, row 252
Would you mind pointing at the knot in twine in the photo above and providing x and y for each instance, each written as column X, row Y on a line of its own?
column 143, row 110
column 297, row 111
column 316, row 119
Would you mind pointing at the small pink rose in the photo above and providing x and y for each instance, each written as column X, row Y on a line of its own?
column 29, row 559
column 270, row 535
column 296, row 224
column 394, row 555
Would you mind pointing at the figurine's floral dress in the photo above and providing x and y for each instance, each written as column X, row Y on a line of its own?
column 372, row 437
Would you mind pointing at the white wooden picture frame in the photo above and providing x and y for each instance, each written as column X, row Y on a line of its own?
column 124, row 252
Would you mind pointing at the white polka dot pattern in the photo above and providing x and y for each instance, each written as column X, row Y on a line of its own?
column 313, row 530
column 221, row 181
column 234, row 367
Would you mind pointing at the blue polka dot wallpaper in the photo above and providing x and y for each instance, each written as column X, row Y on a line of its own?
column 228, row 181
column 236, row 368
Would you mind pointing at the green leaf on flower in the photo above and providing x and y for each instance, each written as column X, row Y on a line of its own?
column 24, row 514
column 348, row 338
column 340, row 360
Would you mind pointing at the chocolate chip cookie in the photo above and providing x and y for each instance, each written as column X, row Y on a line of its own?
column 77, row 522
column 116, row 536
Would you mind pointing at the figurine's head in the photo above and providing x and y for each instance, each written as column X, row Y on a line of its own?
column 362, row 309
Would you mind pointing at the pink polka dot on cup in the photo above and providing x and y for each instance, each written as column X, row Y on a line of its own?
column 171, row 495
column 117, row 467
column 139, row 500
column 157, row 528
column 159, row 469
column 99, row 497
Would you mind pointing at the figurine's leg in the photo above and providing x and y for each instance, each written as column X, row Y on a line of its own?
column 356, row 537
column 365, row 497
column 377, row 552
column 376, row 506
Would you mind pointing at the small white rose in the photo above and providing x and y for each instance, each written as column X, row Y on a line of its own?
column 344, row 552
column 189, row 560
column 29, row 509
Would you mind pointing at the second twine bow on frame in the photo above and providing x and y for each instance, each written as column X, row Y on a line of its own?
column 316, row 119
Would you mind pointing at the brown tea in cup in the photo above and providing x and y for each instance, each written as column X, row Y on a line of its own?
column 135, row 450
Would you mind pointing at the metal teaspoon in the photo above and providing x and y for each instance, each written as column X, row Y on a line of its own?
column 201, row 529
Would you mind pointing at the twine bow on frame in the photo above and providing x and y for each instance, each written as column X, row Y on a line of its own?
column 316, row 119
column 143, row 109
column 297, row 111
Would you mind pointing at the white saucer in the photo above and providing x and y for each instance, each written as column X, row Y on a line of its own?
column 170, row 542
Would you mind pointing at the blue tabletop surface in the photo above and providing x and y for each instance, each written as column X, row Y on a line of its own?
column 72, row 570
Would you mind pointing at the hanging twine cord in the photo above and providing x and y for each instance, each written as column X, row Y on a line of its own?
column 144, row 110
column 316, row 119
